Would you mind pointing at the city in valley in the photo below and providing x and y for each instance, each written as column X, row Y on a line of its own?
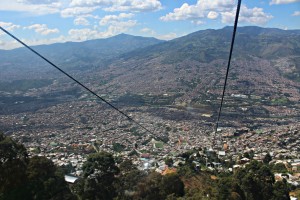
column 172, row 96
column 75, row 125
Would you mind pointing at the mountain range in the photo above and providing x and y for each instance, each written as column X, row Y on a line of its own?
column 71, row 55
column 189, row 71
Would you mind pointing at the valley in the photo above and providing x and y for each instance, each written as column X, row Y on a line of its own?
column 172, row 88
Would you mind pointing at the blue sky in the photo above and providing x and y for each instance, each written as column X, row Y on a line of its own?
column 50, row 21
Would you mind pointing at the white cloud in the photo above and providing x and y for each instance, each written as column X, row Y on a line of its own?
column 81, row 21
column 109, row 19
column 31, row 6
column 135, row 5
column 119, row 27
column 83, row 34
column 168, row 36
column 283, row 1
column 42, row 29
column 126, row 15
column 9, row 26
column 254, row 15
column 37, row 1
column 228, row 17
column 59, row 39
column 147, row 30
column 212, row 15
column 197, row 22
column 212, row 9
column 296, row 13
column 116, row 24
column 183, row 13
column 113, row 29
column 11, row 44
column 247, row 15
column 200, row 10
column 121, row 5
column 90, row 2
column 77, row 11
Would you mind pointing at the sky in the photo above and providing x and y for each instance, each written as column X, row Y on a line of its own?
column 50, row 21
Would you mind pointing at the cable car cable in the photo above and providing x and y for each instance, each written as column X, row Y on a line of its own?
column 228, row 64
column 78, row 82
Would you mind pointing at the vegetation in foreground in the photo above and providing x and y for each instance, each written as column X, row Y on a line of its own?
column 24, row 177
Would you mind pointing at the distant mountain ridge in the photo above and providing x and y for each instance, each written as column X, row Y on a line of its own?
column 135, row 42
column 203, row 46
column 266, row 63
column 208, row 45
column 256, row 30
column 74, row 55
column 186, row 72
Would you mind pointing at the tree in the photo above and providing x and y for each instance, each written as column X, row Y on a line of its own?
column 156, row 186
column 127, row 181
column 24, row 178
column 279, row 168
column 169, row 162
column 98, row 164
column 127, row 166
column 149, row 187
column 256, row 181
column 251, row 154
column 78, row 188
column 251, row 187
column 281, row 191
column 45, row 180
column 99, row 172
column 266, row 181
column 118, row 147
column 171, row 184
column 228, row 189
column 246, row 155
column 13, row 162
column 267, row 158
